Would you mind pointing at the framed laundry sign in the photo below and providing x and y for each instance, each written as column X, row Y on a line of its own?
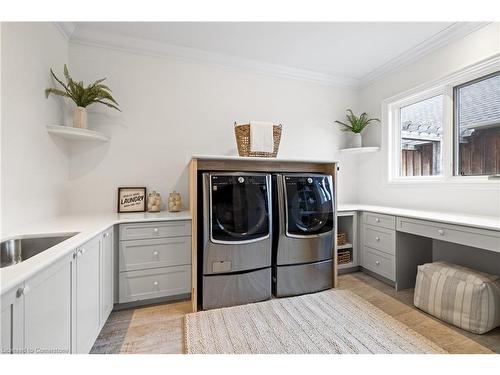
column 131, row 199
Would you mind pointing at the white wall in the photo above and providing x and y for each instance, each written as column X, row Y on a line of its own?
column 34, row 167
column 173, row 109
column 372, row 171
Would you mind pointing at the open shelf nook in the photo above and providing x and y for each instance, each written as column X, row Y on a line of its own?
column 347, row 223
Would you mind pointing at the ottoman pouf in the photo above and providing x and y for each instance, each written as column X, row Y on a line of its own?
column 458, row 295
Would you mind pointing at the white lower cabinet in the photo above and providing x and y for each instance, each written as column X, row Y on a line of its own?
column 63, row 307
column 378, row 250
column 11, row 322
column 154, row 261
column 47, row 309
column 379, row 262
column 37, row 315
column 154, row 283
column 107, row 274
column 88, row 295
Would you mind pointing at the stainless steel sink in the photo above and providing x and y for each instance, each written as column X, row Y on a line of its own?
column 17, row 249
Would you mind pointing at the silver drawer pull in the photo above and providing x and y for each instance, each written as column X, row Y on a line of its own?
column 155, row 230
column 377, row 220
column 155, row 283
column 106, row 235
column 441, row 232
column 377, row 238
column 155, row 253
column 377, row 263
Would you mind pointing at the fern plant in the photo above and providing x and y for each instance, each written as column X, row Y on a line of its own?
column 356, row 124
column 81, row 95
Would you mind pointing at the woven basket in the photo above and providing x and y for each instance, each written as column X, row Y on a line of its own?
column 343, row 257
column 242, row 133
column 341, row 238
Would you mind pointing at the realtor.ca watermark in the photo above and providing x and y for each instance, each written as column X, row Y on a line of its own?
column 35, row 351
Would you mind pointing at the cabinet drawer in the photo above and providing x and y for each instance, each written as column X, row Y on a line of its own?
column 236, row 289
column 481, row 238
column 154, row 283
column 379, row 220
column 160, row 229
column 379, row 262
column 162, row 252
column 380, row 238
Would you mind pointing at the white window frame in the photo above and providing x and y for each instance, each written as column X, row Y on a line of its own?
column 392, row 134
column 456, row 153
column 394, row 118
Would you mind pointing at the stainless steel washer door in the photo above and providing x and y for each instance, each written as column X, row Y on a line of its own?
column 237, row 222
column 309, row 207
column 239, row 208
column 305, row 229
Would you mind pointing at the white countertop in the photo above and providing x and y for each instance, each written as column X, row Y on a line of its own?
column 87, row 226
column 90, row 225
column 244, row 158
column 477, row 221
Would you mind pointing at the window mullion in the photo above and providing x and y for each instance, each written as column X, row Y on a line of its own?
column 448, row 133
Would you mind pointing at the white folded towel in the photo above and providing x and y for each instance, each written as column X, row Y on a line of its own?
column 261, row 136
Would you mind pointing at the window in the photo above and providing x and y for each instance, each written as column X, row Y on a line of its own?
column 477, row 126
column 448, row 130
column 421, row 132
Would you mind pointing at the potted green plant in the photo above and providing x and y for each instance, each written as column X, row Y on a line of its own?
column 355, row 126
column 82, row 96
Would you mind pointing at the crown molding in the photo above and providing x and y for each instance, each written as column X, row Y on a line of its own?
column 66, row 28
column 453, row 32
column 157, row 49
column 484, row 67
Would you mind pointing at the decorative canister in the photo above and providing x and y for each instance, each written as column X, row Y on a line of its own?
column 80, row 118
column 174, row 202
column 354, row 140
column 154, row 202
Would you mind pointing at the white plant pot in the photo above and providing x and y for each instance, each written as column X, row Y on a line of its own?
column 80, row 118
column 354, row 140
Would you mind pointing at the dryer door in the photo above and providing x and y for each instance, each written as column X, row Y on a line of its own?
column 239, row 208
column 309, row 205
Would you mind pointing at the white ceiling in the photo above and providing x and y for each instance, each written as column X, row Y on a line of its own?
column 352, row 50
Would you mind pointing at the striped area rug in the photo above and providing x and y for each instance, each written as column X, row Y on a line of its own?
column 334, row 321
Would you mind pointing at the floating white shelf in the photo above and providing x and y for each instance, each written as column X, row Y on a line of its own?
column 359, row 150
column 76, row 134
column 345, row 246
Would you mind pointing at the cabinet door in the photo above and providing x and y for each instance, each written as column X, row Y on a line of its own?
column 107, row 275
column 11, row 320
column 47, row 309
column 88, row 295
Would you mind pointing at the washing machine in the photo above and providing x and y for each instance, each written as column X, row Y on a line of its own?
column 304, row 230
column 237, row 241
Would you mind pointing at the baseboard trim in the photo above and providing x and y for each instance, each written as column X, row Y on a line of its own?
column 153, row 301
column 344, row 271
column 378, row 277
